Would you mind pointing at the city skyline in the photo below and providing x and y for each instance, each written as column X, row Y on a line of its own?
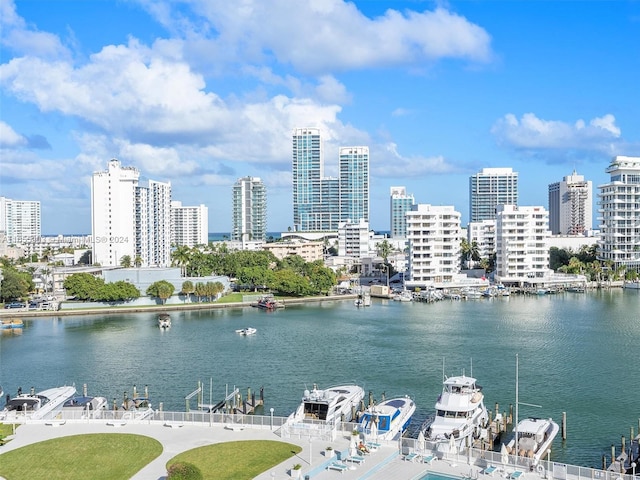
column 201, row 93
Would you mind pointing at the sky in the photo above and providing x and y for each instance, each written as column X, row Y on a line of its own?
column 203, row 92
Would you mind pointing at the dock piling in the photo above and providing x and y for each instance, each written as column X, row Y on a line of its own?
column 564, row 425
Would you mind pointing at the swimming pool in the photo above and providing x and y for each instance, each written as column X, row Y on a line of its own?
column 437, row 476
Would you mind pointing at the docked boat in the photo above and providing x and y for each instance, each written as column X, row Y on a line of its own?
column 37, row 406
column 460, row 414
column 268, row 302
column 246, row 331
column 403, row 296
column 387, row 420
column 331, row 405
column 12, row 323
column 534, row 437
column 85, row 406
column 164, row 321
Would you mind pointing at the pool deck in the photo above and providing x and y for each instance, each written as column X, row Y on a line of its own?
column 384, row 463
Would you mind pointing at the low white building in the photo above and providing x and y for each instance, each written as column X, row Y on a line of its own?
column 433, row 233
column 522, row 250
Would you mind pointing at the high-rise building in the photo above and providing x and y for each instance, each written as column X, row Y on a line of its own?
column 20, row 220
column 354, row 183
column 249, row 210
column 489, row 188
column 433, row 233
column 321, row 203
column 189, row 225
column 619, row 202
column 522, row 252
column 307, row 172
column 400, row 204
column 128, row 219
column 570, row 210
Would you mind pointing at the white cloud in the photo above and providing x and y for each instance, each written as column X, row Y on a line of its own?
column 532, row 133
column 19, row 37
column 388, row 162
column 9, row 138
column 319, row 37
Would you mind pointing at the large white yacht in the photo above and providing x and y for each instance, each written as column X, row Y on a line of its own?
column 460, row 414
column 42, row 405
column 331, row 405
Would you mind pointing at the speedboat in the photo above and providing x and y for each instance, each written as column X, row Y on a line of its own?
column 534, row 436
column 37, row 406
column 330, row 406
column 387, row 420
column 460, row 416
column 85, row 406
column 164, row 321
column 246, row 331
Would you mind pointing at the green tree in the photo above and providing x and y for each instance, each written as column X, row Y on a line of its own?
column 181, row 257
column 125, row 261
column 289, row 282
column 15, row 285
column 187, row 288
column 137, row 261
column 384, row 249
column 161, row 289
column 82, row 286
column 200, row 290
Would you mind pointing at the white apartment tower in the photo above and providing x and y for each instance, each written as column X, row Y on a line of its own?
column 400, row 204
column 570, row 210
column 113, row 213
column 353, row 239
column 249, row 210
column 20, row 220
column 128, row 219
column 522, row 253
column 433, row 233
column 484, row 234
column 489, row 188
column 189, row 225
column 619, row 202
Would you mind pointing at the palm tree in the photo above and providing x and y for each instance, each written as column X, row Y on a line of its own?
column 125, row 261
column 137, row 261
column 384, row 249
column 181, row 257
column 465, row 252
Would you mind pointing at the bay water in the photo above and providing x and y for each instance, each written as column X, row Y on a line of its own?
column 577, row 353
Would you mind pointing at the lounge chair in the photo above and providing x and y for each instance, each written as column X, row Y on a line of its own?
column 411, row 457
column 429, row 459
column 355, row 459
column 339, row 466
column 489, row 470
column 515, row 474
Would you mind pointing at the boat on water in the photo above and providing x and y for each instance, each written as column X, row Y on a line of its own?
column 85, row 406
column 12, row 323
column 247, row 331
column 461, row 415
column 164, row 321
column 635, row 285
column 330, row 406
column 268, row 302
column 387, row 420
column 42, row 405
column 534, row 437
column 403, row 296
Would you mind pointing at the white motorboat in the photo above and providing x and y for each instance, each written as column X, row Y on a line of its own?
column 534, row 436
column 329, row 406
column 164, row 321
column 43, row 405
column 403, row 296
column 387, row 420
column 460, row 416
column 246, row 331
column 84, row 406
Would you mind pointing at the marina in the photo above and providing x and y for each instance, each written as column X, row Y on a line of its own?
column 392, row 347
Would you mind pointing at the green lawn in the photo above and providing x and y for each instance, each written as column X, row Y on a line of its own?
column 238, row 460
column 116, row 456
column 112, row 456
column 6, row 429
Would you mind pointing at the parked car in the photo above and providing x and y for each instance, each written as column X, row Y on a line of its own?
column 15, row 305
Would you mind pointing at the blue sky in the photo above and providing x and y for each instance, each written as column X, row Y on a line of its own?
column 202, row 92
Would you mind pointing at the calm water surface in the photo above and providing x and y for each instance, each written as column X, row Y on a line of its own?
column 578, row 353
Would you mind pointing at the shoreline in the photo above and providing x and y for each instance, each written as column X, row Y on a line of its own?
column 163, row 308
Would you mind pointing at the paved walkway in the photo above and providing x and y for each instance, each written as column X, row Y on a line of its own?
column 384, row 463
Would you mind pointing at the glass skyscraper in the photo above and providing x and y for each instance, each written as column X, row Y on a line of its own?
column 321, row 203
column 249, row 210
column 488, row 189
column 400, row 204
